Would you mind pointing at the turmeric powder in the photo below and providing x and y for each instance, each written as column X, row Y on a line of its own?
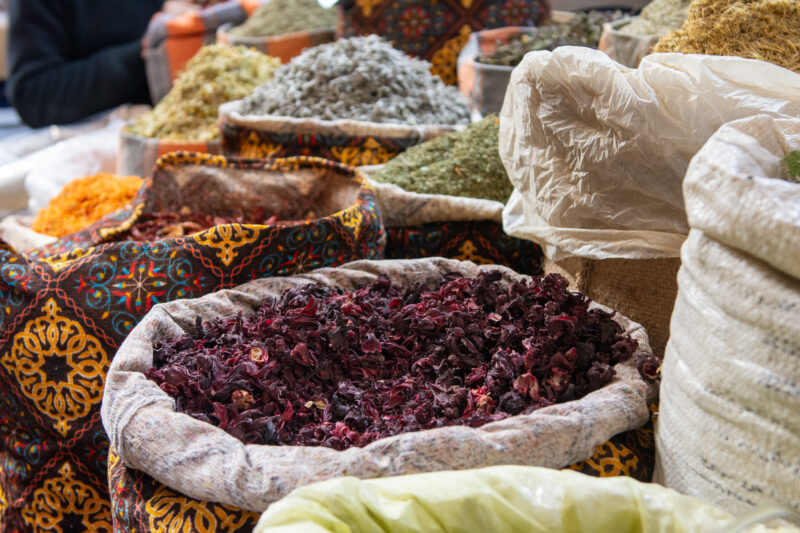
column 84, row 201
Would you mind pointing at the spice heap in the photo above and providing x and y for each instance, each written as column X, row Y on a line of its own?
column 215, row 75
column 584, row 30
column 326, row 367
column 464, row 163
column 791, row 166
column 658, row 17
column 84, row 201
column 768, row 30
column 277, row 17
column 361, row 78
column 171, row 225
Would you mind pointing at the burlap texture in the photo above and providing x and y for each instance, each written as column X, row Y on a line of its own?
column 138, row 155
column 642, row 289
column 204, row 462
column 729, row 428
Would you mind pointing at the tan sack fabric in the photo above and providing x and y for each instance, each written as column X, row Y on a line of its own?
column 204, row 462
column 729, row 427
column 597, row 152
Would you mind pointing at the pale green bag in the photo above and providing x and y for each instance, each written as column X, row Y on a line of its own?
column 504, row 499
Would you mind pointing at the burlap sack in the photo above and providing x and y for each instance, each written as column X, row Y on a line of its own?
column 284, row 47
column 204, row 462
column 642, row 289
column 138, row 155
column 437, row 31
column 64, row 315
column 729, row 429
column 350, row 142
column 438, row 225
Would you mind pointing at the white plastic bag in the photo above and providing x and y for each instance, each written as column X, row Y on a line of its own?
column 729, row 425
column 597, row 151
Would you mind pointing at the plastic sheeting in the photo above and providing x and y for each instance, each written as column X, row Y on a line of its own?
column 597, row 151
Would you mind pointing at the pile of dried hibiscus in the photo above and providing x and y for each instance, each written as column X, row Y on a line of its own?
column 320, row 366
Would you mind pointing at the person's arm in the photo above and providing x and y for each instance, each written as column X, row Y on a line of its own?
column 47, row 88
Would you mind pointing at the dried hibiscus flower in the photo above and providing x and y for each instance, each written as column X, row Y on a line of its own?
column 327, row 367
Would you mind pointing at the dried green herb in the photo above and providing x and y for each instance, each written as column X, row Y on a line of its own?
column 464, row 163
column 791, row 164
column 277, row 17
column 215, row 75
column 584, row 30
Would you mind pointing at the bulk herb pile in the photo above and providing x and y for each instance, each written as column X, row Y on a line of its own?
column 361, row 78
column 277, row 17
column 768, row 30
column 215, row 75
column 170, row 225
column 464, row 163
column 791, row 166
column 325, row 367
column 84, row 201
column 584, row 30
column 659, row 17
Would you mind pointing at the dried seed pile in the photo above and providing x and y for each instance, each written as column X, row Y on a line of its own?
column 768, row 30
column 326, row 367
column 465, row 163
column 215, row 75
column 278, row 17
column 361, row 78
column 658, row 18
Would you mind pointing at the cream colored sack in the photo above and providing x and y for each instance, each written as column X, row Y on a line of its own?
column 204, row 462
column 597, row 151
column 729, row 426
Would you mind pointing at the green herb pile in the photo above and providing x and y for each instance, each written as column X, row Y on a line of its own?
column 277, row 17
column 791, row 166
column 584, row 30
column 464, row 163
column 215, row 75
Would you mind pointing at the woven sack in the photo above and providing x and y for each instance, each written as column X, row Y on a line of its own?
column 597, row 152
column 63, row 317
column 642, row 289
column 284, row 47
column 204, row 462
column 172, row 40
column 628, row 50
column 138, row 155
column 438, row 225
column 729, row 431
column 350, row 142
column 437, row 31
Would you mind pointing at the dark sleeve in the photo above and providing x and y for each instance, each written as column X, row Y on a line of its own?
column 46, row 87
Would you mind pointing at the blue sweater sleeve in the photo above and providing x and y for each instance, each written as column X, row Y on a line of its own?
column 47, row 87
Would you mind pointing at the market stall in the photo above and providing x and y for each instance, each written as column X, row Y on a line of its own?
column 401, row 267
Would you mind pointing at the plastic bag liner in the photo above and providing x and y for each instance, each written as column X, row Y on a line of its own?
column 597, row 152
column 513, row 499
column 729, row 430
column 351, row 142
column 204, row 462
column 623, row 48
column 16, row 232
column 439, row 225
column 63, row 316
column 284, row 47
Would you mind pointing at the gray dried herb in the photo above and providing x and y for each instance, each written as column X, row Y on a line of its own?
column 361, row 78
column 465, row 163
column 278, row 17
